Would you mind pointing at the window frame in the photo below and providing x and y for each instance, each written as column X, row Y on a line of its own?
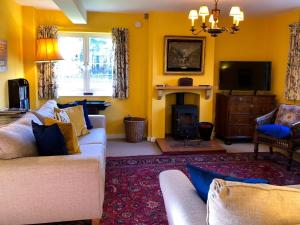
column 86, row 77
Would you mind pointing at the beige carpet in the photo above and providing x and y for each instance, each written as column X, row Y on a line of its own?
column 119, row 147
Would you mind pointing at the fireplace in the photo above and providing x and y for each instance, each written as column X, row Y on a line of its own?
column 185, row 119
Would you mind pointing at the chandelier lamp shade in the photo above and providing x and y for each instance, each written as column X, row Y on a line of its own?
column 213, row 19
column 47, row 50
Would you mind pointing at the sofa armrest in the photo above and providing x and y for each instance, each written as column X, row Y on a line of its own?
column 98, row 121
column 182, row 203
column 50, row 189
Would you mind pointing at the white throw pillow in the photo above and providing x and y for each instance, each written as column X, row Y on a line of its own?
column 17, row 140
column 235, row 203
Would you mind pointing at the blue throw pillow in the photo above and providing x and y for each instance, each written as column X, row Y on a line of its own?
column 275, row 130
column 49, row 140
column 202, row 179
column 85, row 111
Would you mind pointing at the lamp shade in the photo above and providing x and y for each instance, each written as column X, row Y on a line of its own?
column 47, row 50
column 203, row 11
column 235, row 11
column 240, row 17
column 193, row 15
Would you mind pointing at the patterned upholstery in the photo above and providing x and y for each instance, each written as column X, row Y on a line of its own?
column 287, row 115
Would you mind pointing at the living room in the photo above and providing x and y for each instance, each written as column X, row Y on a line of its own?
column 264, row 35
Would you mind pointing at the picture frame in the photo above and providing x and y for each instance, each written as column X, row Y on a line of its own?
column 3, row 56
column 184, row 55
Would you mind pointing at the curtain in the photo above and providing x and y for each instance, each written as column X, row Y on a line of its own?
column 46, row 85
column 292, row 88
column 120, row 69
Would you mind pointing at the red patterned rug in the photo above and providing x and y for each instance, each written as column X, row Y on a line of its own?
column 133, row 195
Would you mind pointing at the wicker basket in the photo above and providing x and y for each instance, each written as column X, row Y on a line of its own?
column 134, row 129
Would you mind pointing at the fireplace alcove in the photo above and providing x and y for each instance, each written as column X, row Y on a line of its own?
column 181, row 115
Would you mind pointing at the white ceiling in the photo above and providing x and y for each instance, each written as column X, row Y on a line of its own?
column 249, row 6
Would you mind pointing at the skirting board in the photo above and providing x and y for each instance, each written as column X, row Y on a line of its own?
column 122, row 136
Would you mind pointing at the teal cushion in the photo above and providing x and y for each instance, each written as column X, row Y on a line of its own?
column 202, row 179
column 275, row 130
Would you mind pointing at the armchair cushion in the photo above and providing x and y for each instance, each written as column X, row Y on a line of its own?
column 275, row 130
column 288, row 115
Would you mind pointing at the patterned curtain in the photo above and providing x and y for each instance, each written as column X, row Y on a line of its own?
column 47, row 86
column 292, row 88
column 120, row 70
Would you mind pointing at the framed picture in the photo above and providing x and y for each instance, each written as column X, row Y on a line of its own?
column 3, row 56
column 184, row 55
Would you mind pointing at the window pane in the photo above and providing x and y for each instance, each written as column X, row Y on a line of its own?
column 70, row 71
column 100, row 65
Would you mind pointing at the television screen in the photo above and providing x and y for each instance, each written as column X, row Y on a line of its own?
column 241, row 75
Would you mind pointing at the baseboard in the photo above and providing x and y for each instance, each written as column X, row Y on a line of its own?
column 115, row 136
column 151, row 139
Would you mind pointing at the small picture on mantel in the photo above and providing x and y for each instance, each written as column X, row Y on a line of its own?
column 184, row 55
column 3, row 56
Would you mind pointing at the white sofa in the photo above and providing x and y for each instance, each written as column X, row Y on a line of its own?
column 182, row 203
column 55, row 188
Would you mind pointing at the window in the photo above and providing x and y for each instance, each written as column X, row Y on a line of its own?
column 87, row 65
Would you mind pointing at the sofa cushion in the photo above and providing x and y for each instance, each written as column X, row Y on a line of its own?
column 46, row 110
column 69, row 134
column 96, row 136
column 27, row 118
column 234, row 203
column 49, row 139
column 202, row 179
column 17, row 140
column 287, row 115
column 97, row 151
column 76, row 116
column 85, row 111
column 275, row 130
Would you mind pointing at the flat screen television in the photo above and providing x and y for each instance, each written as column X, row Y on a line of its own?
column 245, row 75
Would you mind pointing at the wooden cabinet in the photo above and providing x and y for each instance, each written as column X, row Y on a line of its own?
column 235, row 114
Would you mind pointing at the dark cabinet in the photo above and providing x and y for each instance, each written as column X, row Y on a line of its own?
column 18, row 94
column 235, row 114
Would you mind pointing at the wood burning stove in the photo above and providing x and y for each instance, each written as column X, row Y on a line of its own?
column 185, row 119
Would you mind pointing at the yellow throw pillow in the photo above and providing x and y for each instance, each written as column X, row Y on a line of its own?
column 68, row 132
column 76, row 116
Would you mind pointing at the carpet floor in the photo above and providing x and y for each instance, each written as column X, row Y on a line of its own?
column 133, row 197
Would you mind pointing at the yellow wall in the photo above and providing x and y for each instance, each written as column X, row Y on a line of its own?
column 166, row 23
column 11, row 31
column 135, row 105
column 260, row 38
column 279, row 45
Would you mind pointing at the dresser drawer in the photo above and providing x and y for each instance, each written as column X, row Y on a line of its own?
column 236, row 119
column 240, row 99
column 264, row 99
column 241, row 108
column 241, row 131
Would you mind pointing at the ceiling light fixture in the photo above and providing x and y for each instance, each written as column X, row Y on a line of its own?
column 214, row 29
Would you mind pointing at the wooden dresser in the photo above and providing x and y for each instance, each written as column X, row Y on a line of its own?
column 235, row 114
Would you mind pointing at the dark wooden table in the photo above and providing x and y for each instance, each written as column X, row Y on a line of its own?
column 9, row 117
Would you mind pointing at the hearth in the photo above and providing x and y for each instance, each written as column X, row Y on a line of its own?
column 185, row 119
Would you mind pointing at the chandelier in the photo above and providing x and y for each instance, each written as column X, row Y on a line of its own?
column 214, row 29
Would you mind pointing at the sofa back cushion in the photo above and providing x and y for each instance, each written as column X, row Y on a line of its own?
column 17, row 140
column 46, row 110
column 287, row 115
column 234, row 203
